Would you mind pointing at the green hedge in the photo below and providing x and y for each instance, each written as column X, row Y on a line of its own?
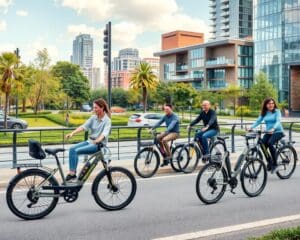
column 282, row 234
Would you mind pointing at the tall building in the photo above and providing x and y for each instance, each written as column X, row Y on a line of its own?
column 128, row 59
column 277, row 46
column 154, row 63
column 231, row 19
column 83, row 54
column 211, row 65
column 96, row 77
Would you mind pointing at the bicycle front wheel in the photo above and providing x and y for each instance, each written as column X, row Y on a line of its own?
column 211, row 183
column 27, row 199
column 254, row 177
column 218, row 148
column 146, row 162
column 176, row 157
column 189, row 157
column 117, row 193
column 286, row 161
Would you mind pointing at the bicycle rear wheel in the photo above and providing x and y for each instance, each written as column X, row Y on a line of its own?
column 211, row 183
column 24, row 195
column 146, row 162
column 286, row 161
column 117, row 194
column 254, row 177
column 189, row 157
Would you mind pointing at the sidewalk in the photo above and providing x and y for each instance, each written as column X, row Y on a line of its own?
column 7, row 173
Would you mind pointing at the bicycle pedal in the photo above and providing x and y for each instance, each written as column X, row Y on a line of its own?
column 233, row 192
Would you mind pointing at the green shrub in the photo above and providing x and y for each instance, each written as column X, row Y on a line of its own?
column 282, row 234
column 243, row 109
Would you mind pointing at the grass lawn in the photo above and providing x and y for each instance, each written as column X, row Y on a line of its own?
column 282, row 234
column 40, row 122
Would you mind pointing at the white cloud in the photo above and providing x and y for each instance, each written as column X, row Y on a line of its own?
column 139, row 15
column 2, row 25
column 74, row 30
column 22, row 13
column 4, row 4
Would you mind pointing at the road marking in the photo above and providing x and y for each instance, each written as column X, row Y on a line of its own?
column 230, row 229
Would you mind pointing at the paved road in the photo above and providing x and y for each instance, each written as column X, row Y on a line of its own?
column 163, row 206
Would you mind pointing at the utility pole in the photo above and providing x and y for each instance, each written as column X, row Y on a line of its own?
column 17, row 52
column 107, row 57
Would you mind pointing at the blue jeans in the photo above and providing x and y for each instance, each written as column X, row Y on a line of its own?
column 78, row 149
column 269, row 140
column 202, row 138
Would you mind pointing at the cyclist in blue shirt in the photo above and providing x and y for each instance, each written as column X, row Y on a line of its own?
column 271, row 116
column 171, row 133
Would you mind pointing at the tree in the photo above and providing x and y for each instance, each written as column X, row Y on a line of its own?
column 119, row 97
column 46, row 87
column 145, row 79
column 260, row 90
column 11, row 76
column 99, row 93
column 133, row 96
column 164, row 92
column 74, row 83
column 232, row 92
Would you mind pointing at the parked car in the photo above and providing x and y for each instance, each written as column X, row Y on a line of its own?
column 144, row 119
column 13, row 123
column 85, row 107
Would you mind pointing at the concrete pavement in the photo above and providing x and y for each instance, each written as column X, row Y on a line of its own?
column 164, row 206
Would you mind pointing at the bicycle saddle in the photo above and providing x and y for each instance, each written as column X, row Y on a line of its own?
column 53, row 151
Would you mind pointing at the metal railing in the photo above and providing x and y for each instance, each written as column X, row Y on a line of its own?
column 124, row 141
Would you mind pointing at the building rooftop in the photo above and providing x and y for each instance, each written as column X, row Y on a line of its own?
column 207, row 44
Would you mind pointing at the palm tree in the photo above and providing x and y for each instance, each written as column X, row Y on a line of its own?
column 10, row 75
column 143, row 78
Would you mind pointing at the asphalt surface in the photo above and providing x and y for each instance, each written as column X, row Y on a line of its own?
column 163, row 206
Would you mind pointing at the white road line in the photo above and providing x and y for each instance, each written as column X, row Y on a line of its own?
column 229, row 229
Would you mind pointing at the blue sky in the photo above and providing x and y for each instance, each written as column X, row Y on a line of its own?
column 34, row 24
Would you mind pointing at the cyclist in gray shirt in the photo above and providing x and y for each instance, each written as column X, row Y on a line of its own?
column 99, row 126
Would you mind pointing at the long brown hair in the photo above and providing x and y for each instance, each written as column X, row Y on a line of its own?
column 102, row 103
column 264, row 108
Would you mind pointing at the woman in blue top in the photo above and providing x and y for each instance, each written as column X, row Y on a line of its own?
column 271, row 116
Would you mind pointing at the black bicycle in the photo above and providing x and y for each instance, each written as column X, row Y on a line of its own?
column 192, row 151
column 214, row 177
column 147, row 160
column 34, row 193
column 286, row 155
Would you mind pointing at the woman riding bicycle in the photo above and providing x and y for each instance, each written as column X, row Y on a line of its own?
column 99, row 125
column 271, row 115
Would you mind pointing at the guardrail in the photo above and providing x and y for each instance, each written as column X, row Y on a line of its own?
column 124, row 141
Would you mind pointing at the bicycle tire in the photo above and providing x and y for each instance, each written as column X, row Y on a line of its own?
column 154, row 159
column 218, row 147
column 189, row 161
column 176, row 158
column 99, row 185
column 284, row 162
column 253, row 165
column 31, row 173
column 211, row 182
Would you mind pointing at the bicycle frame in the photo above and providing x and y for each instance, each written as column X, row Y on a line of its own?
column 94, row 159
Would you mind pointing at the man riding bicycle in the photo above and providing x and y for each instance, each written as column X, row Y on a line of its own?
column 210, row 129
column 172, row 132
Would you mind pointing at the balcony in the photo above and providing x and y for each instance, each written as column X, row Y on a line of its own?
column 186, row 78
column 216, row 84
column 213, row 11
column 220, row 62
column 225, row 14
column 225, row 1
column 225, row 27
column 225, row 21
column 182, row 68
column 214, row 17
column 225, row 7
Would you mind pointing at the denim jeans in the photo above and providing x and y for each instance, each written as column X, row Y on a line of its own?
column 269, row 140
column 202, row 138
column 78, row 149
